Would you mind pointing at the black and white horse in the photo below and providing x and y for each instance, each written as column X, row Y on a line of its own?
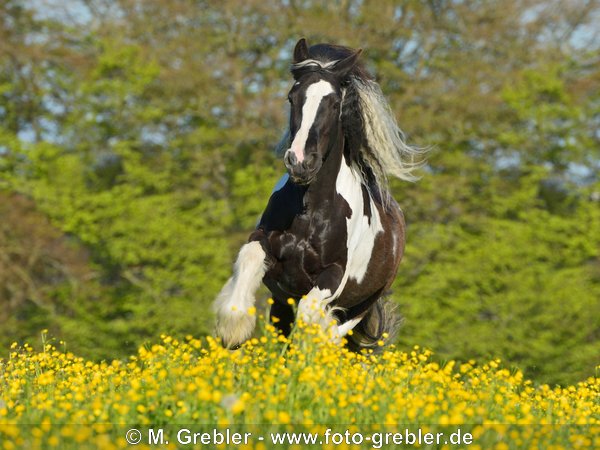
column 331, row 236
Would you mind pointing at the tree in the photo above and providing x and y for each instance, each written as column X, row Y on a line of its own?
column 144, row 129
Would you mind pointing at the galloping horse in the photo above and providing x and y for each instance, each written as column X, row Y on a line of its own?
column 331, row 236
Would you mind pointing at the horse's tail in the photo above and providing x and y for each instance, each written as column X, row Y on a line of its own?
column 381, row 323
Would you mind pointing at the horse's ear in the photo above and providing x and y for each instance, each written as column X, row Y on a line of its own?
column 300, row 51
column 341, row 68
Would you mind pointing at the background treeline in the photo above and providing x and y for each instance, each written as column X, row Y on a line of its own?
column 135, row 158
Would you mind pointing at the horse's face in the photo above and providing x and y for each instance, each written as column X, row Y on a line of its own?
column 315, row 102
column 315, row 117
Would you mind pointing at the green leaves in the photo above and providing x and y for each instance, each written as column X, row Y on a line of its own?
column 145, row 137
column 520, row 288
column 549, row 123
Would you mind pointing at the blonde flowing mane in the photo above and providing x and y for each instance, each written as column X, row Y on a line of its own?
column 384, row 148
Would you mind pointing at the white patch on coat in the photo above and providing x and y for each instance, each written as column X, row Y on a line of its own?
column 234, row 321
column 361, row 233
column 314, row 96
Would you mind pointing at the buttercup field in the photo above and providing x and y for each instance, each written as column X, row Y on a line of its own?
column 266, row 224
column 54, row 399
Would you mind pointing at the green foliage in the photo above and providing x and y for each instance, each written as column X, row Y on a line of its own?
column 549, row 122
column 145, row 138
column 529, row 284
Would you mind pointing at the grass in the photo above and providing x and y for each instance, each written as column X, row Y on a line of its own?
column 54, row 399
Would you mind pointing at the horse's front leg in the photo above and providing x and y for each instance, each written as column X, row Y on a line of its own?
column 233, row 306
column 315, row 307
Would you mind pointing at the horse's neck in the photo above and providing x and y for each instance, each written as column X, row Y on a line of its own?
column 323, row 188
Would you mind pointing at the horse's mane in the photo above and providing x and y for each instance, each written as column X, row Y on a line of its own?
column 375, row 144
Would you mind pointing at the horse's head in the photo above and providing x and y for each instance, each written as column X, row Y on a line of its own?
column 315, row 102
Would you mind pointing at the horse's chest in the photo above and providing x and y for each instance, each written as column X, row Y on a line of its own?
column 304, row 251
column 312, row 244
column 340, row 233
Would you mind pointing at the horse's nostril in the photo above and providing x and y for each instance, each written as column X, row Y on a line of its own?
column 289, row 158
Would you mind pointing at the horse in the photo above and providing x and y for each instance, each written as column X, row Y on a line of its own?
column 331, row 236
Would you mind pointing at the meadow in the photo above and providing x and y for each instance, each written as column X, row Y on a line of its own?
column 136, row 157
column 51, row 398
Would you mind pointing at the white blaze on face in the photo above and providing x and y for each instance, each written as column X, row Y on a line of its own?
column 314, row 95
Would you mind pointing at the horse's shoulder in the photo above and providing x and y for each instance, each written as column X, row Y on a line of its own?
column 285, row 203
column 286, row 192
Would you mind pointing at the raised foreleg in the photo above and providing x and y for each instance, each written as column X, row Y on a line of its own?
column 235, row 320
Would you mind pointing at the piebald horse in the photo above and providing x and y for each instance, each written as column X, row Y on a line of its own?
column 331, row 236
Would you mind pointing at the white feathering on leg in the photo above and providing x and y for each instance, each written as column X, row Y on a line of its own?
column 314, row 309
column 234, row 321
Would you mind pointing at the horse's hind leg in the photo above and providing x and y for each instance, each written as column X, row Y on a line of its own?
column 380, row 323
column 235, row 320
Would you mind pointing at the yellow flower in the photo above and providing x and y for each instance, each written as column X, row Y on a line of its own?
column 283, row 417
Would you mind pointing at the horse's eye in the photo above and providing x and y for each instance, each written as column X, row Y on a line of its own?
column 290, row 98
